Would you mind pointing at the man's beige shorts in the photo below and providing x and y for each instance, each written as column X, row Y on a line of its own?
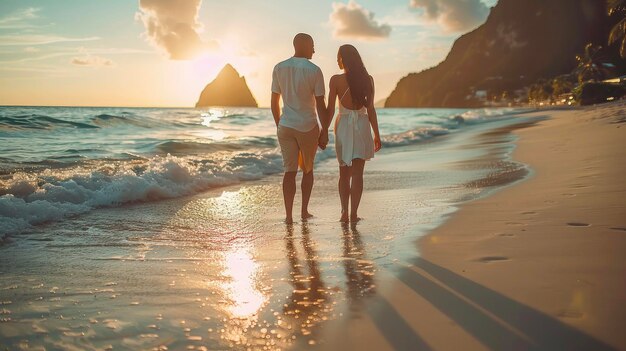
column 298, row 148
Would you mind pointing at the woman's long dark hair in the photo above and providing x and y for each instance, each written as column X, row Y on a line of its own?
column 357, row 76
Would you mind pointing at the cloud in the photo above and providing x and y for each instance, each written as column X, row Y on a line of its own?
column 37, row 39
column 30, row 37
column 453, row 15
column 16, row 20
column 351, row 20
column 70, row 52
column 91, row 61
column 173, row 26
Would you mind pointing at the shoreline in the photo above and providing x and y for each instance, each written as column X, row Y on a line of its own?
column 551, row 243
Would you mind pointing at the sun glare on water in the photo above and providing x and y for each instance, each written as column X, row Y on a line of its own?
column 246, row 299
column 241, row 269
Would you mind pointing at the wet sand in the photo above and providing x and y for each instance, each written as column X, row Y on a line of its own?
column 219, row 270
column 539, row 265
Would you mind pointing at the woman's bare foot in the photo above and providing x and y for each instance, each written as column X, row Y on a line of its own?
column 355, row 218
column 306, row 215
column 344, row 217
column 288, row 220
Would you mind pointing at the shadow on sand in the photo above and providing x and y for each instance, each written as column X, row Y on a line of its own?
column 362, row 295
column 495, row 320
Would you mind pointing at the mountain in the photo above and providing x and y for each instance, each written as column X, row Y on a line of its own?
column 521, row 41
column 227, row 89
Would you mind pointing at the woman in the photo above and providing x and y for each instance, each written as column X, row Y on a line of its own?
column 353, row 135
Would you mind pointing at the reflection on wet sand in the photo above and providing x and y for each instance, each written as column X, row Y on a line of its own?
column 243, row 296
column 308, row 305
column 359, row 271
column 312, row 301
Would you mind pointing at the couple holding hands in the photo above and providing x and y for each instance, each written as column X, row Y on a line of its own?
column 300, row 84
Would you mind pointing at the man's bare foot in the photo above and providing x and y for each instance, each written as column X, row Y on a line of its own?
column 306, row 215
column 288, row 220
column 355, row 218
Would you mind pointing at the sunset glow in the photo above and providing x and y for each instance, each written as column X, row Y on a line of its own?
column 102, row 54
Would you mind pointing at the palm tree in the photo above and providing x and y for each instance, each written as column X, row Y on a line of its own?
column 562, row 84
column 590, row 66
column 618, row 7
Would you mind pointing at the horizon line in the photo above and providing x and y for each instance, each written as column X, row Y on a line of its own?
column 133, row 106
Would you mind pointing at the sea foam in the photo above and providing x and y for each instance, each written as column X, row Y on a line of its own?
column 52, row 195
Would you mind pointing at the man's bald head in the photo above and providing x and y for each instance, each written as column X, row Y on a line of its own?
column 303, row 45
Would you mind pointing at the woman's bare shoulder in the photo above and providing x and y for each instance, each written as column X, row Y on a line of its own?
column 337, row 80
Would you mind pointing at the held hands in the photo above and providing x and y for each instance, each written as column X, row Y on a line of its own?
column 323, row 140
column 377, row 143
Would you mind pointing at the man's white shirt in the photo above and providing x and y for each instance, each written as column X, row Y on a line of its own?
column 298, row 81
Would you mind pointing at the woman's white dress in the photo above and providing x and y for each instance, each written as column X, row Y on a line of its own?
column 353, row 135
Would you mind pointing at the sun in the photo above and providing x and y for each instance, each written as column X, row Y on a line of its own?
column 191, row 76
column 230, row 51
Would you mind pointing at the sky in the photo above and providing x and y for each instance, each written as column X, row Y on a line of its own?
column 161, row 53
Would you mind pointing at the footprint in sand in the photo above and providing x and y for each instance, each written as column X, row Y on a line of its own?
column 529, row 213
column 509, row 235
column 579, row 186
column 619, row 228
column 578, row 224
column 570, row 313
column 488, row 259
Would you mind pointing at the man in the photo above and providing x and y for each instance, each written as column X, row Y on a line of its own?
column 300, row 83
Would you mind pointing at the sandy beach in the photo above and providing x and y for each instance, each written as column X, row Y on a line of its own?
column 538, row 265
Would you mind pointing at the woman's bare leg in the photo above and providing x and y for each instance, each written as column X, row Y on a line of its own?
column 344, row 190
column 356, row 187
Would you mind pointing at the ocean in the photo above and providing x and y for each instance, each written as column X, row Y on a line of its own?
column 60, row 162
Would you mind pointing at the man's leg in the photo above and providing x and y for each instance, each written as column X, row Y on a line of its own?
column 289, row 150
column 307, row 142
column 289, row 193
column 307, row 187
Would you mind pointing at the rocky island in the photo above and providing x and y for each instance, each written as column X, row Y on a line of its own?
column 227, row 89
